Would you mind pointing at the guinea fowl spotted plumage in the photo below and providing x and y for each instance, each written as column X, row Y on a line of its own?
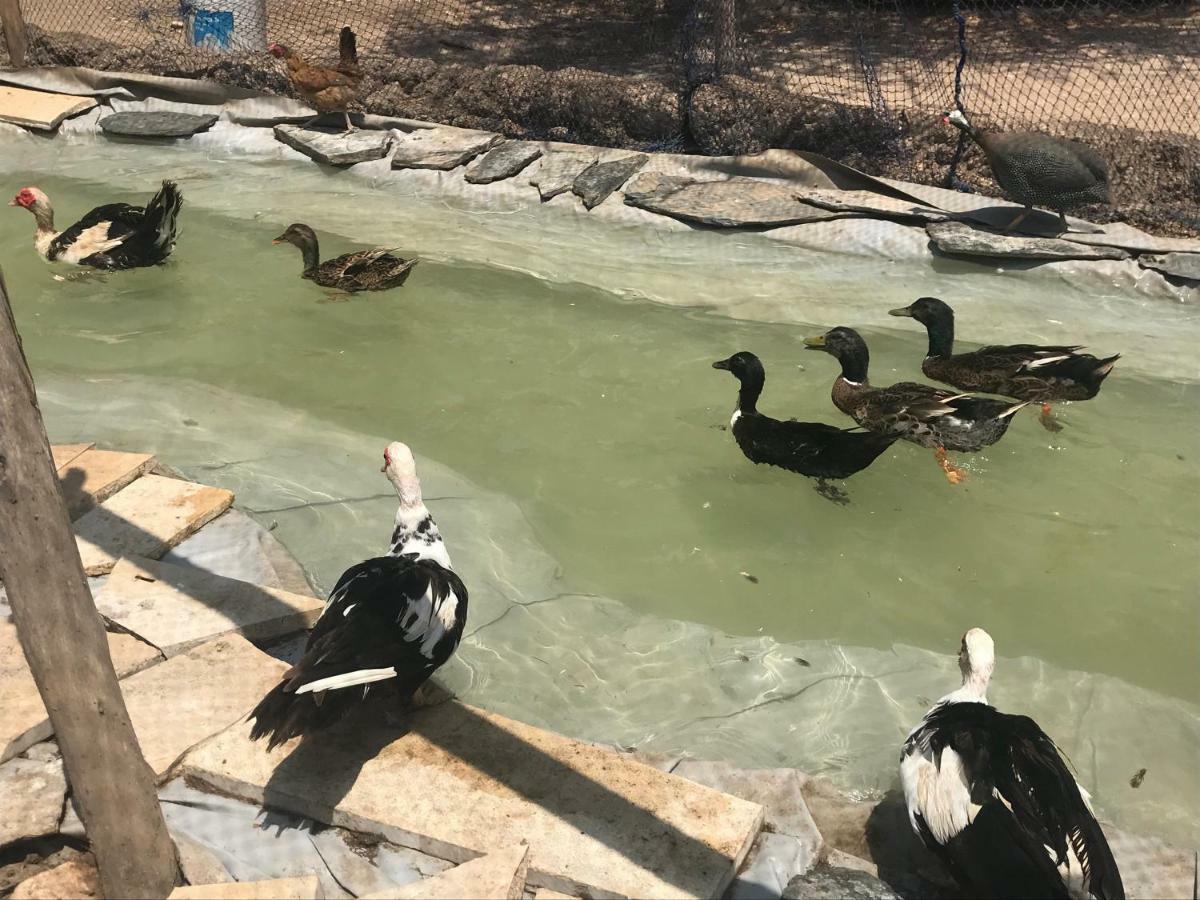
column 390, row 621
column 991, row 796
column 807, row 448
column 1038, row 169
column 920, row 413
column 113, row 236
column 1021, row 371
column 363, row 270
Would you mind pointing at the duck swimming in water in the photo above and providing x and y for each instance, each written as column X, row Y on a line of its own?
column 1021, row 371
column 364, row 270
column 807, row 448
column 921, row 413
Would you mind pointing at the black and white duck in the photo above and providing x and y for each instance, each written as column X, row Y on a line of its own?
column 363, row 270
column 1022, row 371
column 393, row 619
column 113, row 236
column 921, row 413
column 990, row 795
column 807, row 448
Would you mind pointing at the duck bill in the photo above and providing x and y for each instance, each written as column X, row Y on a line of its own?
column 902, row 311
column 721, row 364
column 815, row 343
column 278, row 240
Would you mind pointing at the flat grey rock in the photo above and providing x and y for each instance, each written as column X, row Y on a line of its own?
column 442, row 148
column 502, row 162
column 31, row 798
column 780, row 792
column 867, row 202
column 1180, row 265
column 335, row 148
column 558, row 170
column 160, row 124
column 848, row 884
column 732, row 203
column 960, row 239
column 597, row 181
column 1120, row 234
column 773, row 862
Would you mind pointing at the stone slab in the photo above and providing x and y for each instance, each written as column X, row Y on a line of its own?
column 1179, row 265
column 303, row 887
column 74, row 880
column 775, row 860
column 198, row 864
column 146, row 518
column 39, row 109
column 443, row 147
column 177, row 607
column 503, row 161
column 474, row 782
column 867, row 202
column 156, row 124
column 1120, row 234
column 31, row 798
column 547, row 894
column 335, row 148
column 179, row 703
column 499, row 875
column 595, row 183
column 558, row 170
column 1152, row 868
column 731, row 203
column 960, row 239
column 24, row 721
column 62, row 454
column 849, row 884
column 95, row 475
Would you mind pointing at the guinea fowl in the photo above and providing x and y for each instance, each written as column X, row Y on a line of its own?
column 365, row 270
column 113, row 236
column 990, row 795
column 807, row 448
column 329, row 90
column 393, row 619
column 920, row 413
column 1040, row 170
column 1022, row 371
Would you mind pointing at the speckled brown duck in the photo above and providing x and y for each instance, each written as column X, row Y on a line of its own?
column 365, row 270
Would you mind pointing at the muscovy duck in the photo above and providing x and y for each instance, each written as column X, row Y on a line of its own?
column 1021, row 371
column 809, row 448
column 989, row 794
column 920, row 413
column 393, row 619
column 113, row 236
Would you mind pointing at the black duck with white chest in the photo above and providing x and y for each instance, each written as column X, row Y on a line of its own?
column 364, row 270
column 920, row 413
column 808, row 448
column 1021, row 371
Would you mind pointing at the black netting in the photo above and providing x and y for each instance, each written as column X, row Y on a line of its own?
column 862, row 81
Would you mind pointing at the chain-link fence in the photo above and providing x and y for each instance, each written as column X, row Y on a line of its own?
column 861, row 81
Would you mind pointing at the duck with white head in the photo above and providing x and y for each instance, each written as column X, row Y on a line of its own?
column 990, row 794
column 389, row 624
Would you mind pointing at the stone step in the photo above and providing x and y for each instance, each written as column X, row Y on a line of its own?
column 95, row 475
column 499, row 875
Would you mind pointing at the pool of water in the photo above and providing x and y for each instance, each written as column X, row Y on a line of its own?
column 582, row 426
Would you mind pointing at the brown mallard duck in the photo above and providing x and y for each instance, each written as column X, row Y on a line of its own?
column 920, row 413
column 1020, row 371
column 365, row 270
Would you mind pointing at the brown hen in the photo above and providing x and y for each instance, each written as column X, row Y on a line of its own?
column 329, row 90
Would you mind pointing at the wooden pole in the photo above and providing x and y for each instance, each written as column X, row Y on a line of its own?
column 14, row 31
column 64, row 642
column 725, row 27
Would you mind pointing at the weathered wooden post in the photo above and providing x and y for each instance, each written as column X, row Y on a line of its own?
column 14, row 31
column 725, row 37
column 64, row 642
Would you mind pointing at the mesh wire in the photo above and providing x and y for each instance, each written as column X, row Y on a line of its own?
column 862, row 81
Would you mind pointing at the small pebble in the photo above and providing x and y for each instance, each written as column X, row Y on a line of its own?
column 750, row 578
column 802, row 661
column 1138, row 777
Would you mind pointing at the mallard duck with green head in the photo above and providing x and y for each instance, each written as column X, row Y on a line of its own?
column 1021, row 371
column 920, row 413
column 364, row 270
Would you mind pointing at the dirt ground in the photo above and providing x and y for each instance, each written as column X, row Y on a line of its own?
column 862, row 81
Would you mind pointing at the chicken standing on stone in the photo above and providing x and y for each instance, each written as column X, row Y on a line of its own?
column 329, row 90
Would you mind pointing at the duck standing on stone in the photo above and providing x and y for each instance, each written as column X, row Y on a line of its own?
column 1021, row 371
column 1039, row 170
column 364, row 270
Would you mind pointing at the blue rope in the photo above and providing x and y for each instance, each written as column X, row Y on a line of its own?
column 951, row 176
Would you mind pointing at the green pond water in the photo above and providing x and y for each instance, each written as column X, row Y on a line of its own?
column 596, row 416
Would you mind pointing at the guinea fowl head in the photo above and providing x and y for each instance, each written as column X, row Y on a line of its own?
column 401, row 470
column 957, row 118
column 977, row 659
column 926, row 310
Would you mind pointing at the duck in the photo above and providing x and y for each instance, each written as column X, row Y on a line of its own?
column 1038, row 169
column 390, row 622
column 812, row 449
column 1022, row 371
column 113, row 236
column 989, row 793
column 920, row 413
column 364, row 270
